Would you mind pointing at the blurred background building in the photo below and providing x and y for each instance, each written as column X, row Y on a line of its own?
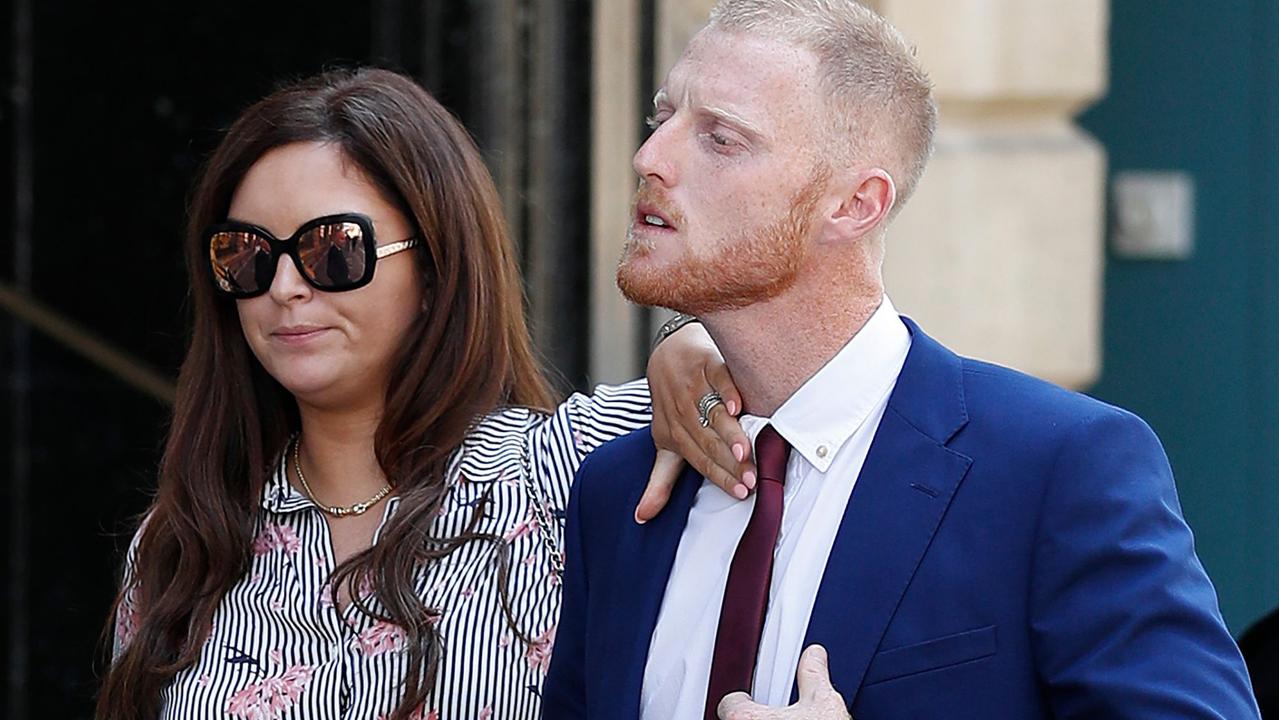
column 1101, row 211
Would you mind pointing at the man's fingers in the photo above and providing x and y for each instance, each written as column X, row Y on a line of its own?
column 815, row 690
column 813, row 676
column 738, row 706
column 817, row 699
column 666, row 470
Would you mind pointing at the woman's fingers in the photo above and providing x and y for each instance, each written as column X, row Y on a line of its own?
column 726, row 425
column 707, row 454
column 726, row 433
column 661, row 481
column 710, row 456
column 718, row 449
column 677, row 375
column 721, row 381
column 720, row 452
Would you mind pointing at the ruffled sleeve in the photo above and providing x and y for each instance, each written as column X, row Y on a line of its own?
column 580, row 424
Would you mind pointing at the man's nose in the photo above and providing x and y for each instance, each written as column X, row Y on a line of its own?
column 654, row 161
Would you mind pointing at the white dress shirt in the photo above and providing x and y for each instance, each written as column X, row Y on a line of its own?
column 829, row 423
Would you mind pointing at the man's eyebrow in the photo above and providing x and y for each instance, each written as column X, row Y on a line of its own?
column 732, row 118
column 661, row 97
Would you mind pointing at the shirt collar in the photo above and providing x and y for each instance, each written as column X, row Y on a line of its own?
column 279, row 495
column 834, row 403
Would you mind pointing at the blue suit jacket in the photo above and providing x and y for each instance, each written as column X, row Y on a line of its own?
column 1010, row 550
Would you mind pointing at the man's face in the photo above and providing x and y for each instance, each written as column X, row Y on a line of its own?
column 730, row 179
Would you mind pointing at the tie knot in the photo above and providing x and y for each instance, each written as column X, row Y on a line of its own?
column 771, row 453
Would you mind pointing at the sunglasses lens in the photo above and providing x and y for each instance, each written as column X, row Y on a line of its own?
column 333, row 255
column 241, row 262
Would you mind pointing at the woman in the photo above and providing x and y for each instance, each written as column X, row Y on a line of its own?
column 355, row 514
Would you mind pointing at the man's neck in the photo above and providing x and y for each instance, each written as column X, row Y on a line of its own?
column 772, row 348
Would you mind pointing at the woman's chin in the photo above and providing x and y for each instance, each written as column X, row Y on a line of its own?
column 312, row 388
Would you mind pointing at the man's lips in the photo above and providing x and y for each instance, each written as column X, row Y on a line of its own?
column 649, row 216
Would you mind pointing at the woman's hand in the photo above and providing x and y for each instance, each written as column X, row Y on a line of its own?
column 684, row 367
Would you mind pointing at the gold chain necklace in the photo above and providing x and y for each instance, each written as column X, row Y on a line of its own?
column 336, row 511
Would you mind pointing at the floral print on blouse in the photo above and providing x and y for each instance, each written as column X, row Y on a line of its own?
column 280, row 649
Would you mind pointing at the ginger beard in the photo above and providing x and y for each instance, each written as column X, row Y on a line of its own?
column 757, row 265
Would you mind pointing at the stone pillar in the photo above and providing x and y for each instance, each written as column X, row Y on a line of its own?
column 1000, row 252
column 619, row 329
column 616, row 114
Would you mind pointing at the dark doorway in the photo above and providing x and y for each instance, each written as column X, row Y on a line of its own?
column 127, row 99
column 123, row 101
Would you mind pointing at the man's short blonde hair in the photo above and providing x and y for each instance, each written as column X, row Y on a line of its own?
column 880, row 100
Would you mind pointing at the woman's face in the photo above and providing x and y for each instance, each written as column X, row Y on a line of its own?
column 332, row 350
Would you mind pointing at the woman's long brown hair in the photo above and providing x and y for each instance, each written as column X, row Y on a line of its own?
column 466, row 355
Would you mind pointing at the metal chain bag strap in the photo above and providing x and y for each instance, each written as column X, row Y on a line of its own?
column 544, row 520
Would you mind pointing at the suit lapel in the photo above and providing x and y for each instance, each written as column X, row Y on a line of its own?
column 905, row 486
column 642, row 566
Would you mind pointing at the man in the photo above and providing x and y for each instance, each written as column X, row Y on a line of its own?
column 962, row 540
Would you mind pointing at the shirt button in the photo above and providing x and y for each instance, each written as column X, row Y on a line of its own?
column 821, row 451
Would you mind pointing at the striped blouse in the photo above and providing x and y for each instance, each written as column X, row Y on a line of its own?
column 280, row 649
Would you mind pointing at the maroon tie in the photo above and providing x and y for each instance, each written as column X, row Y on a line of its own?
column 741, row 618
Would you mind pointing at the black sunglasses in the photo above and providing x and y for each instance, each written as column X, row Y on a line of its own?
column 333, row 253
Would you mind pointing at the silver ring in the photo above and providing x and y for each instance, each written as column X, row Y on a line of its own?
column 706, row 404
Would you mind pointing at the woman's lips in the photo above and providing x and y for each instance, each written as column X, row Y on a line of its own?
column 299, row 334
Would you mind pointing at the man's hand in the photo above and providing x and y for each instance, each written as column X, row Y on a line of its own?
column 683, row 368
column 817, row 699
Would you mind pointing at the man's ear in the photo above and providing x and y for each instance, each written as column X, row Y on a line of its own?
column 868, row 199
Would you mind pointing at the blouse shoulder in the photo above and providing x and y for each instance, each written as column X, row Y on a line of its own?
column 498, row 442
column 495, row 447
column 610, row 411
column 126, row 610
